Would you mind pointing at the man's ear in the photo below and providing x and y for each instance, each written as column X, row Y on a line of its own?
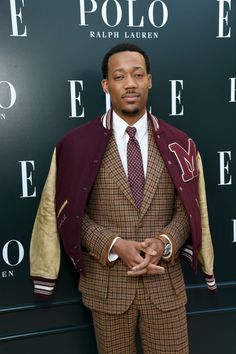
column 150, row 81
column 104, row 84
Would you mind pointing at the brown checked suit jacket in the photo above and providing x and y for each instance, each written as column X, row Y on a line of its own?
column 111, row 212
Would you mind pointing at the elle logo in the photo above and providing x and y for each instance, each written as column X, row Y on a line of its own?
column 18, row 28
column 224, row 30
column 27, row 169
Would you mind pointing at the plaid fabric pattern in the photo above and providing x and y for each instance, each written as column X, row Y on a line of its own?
column 112, row 212
column 115, row 334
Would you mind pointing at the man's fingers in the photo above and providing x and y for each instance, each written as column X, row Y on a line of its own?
column 155, row 270
column 147, row 248
column 152, row 269
column 134, row 273
column 150, row 251
column 141, row 265
column 146, row 243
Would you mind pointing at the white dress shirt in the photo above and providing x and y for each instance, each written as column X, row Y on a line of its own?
column 121, row 138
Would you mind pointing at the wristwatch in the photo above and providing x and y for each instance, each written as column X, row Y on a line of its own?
column 167, row 247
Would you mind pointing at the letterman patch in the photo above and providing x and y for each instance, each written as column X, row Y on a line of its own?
column 186, row 159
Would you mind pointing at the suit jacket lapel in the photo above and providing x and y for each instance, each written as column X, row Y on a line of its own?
column 114, row 167
column 154, row 170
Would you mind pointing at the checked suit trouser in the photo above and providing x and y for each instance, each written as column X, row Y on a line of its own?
column 106, row 288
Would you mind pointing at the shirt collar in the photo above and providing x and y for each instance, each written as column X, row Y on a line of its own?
column 119, row 126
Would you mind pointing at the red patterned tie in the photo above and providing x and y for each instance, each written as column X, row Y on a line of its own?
column 135, row 167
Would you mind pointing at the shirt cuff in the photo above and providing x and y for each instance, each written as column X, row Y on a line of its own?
column 113, row 256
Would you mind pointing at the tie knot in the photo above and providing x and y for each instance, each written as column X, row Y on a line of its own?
column 131, row 131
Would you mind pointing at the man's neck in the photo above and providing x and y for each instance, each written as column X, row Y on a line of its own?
column 131, row 119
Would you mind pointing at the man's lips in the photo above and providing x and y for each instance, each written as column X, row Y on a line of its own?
column 130, row 96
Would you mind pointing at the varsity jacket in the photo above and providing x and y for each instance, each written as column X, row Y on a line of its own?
column 74, row 167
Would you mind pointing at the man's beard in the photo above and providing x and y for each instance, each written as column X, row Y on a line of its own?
column 130, row 113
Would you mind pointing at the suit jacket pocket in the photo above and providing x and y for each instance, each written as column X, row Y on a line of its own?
column 94, row 282
column 176, row 277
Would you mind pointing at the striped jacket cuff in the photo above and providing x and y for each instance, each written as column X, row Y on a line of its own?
column 211, row 282
column 187, row 253
column 43, row 288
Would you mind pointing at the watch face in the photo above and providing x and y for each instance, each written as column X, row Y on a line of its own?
column 167, row 250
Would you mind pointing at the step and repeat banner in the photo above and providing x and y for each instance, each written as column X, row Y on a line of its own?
column 50, row 74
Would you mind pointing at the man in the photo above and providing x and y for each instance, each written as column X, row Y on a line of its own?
column 124, row 192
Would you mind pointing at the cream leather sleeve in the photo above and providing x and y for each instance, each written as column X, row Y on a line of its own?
column 45, row 245
column 206, row 252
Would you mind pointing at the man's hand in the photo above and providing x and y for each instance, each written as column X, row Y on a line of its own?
column 149, row 265
column 140, row 257
column 131, row 252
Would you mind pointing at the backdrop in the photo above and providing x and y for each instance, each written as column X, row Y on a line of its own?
column 50, row 56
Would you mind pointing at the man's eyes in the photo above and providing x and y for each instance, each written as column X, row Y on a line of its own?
column 139, row 75
column 136, row 75
column 119, row 77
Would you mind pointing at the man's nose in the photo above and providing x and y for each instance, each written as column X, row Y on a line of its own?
column 130, row 82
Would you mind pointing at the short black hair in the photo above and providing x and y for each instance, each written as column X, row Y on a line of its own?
column 123, row 47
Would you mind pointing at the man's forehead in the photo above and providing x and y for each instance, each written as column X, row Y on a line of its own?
column 133, row 68
column 123, row 60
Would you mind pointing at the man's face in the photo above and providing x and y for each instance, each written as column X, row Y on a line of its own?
column 128, row 83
